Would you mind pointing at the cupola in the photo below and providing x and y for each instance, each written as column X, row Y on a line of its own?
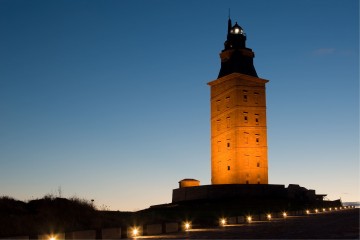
column 236, row 29
column 236, row 57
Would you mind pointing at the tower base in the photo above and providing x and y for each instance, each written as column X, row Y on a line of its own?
column 245, row 191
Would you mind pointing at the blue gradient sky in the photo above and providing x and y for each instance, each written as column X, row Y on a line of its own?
column 108, row 99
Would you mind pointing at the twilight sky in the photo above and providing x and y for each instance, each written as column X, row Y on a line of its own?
column 108, row 100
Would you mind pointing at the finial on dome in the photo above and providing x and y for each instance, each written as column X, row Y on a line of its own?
column 229, row 23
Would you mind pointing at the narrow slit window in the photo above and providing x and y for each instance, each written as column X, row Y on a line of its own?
column 228, row 168
column 245, row 117
column 257, row 119
column 246, row 137
column 257, row 138
column 227, row 100
column 219, row 146
column 218, row 105
column 256, row 97
column 218, row 124
column 258, row 161
column 245, row 95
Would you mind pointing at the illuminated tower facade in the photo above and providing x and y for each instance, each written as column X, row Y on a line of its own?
column 238, row 116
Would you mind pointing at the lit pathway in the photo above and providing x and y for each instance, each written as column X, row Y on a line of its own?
column 325, row 225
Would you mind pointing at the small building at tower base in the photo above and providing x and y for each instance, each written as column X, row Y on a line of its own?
column 245, row 191
column 257, row 197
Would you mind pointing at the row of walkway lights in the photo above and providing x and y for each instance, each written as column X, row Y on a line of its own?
column 328, row 209
column 249, row 218
column 187, row 225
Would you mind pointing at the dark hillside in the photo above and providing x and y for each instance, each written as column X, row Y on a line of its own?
column 51, row 214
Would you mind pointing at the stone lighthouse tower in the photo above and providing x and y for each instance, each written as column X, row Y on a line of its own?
column 239, row 159
column 238, row 116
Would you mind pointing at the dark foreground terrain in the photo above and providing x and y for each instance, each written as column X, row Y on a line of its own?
column 53, row 214
column 328, row 225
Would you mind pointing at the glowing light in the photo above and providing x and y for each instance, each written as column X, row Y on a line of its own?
column 187, row 225
column 284, row 214
column 316, row 210
column 330, row 209
column 335, row 209
column 135, row 231
column 249, row 218
column 307, row 212
column 52, row 238
column 340, row 207
column 223, row 221
column 268, row 216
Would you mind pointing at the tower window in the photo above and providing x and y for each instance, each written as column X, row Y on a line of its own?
column 247, row 182
column 218, row 124
column 218, row 105
column 256, row 97
column 228, row 144
column 257, row 138
column 228, row 122
column 258, row 161
column 246, row 137
column 245, row 117
column 228, row 168
column 227, row 100
column 219, row 146
column 257, row 119
column 245, row 96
